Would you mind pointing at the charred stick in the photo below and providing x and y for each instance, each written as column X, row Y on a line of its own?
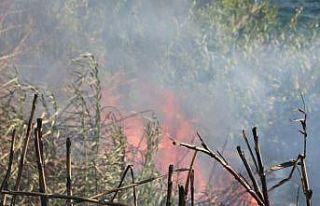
column 261, row 171
column 250, row 150
column 170, row 183
column 4, row 184
column 189, row 173
column 249, row 171
column 24, row 150
column 42, row 179
column 182, row 196
column 68, row 168
column 192, row 187
column 226, row 166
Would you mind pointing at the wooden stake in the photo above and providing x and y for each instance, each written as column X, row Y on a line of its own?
column 68, row 167
column 39, row 156
column 170, row 183
column 192, row 187
column 182, row 197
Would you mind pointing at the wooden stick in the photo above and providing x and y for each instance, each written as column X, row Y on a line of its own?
column 42, row 179
column 262, row 173
column 249, row 171
column 189, row 173
column 192, row 187
column 124, row 174
column 250, row 150
column 182, row 196
column 170, row 183
column 4, row 184
column 305, row 183
column 304, row 174
column 24, row 150
column 68, row 168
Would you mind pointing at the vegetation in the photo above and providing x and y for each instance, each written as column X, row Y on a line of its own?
column 244, row 61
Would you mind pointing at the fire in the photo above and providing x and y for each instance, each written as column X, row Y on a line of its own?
column 173, row 124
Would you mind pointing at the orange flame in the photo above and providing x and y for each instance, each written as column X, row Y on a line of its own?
column 173, row 124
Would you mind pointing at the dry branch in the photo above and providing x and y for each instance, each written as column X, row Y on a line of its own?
column 261, row 171
column 249, row 171
column 250, row 149
column 189, row 173
column 225, row 165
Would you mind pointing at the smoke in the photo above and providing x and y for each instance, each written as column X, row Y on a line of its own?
column 156, row 48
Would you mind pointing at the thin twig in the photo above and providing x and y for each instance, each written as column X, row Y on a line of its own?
column 250, row 149
column 261, row 171
column 189, row 173
column 296, row 162
column 124, row 174
column 249, row 171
